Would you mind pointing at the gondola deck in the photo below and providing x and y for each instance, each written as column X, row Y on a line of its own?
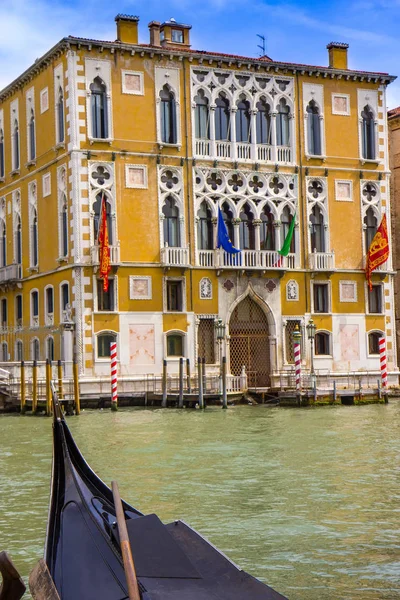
column 173, row 562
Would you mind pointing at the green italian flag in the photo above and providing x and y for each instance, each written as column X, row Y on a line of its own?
column 284, row 251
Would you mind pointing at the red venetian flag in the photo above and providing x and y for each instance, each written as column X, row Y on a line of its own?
column 378, row 252
column 104, row 248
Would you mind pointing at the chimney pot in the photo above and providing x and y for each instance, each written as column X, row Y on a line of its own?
column 154, row 27
column 337, row 55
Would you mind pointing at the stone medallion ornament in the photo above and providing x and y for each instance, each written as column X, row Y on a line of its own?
column 270, row 285
column 228, row 285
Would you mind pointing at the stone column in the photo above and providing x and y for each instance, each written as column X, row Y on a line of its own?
column 232, row 125
column 213, row 148
column 274, row 154
column 253, row 129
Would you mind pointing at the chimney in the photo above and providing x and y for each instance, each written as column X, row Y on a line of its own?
column 154, row 28
column 337, row 55
column 127, row 29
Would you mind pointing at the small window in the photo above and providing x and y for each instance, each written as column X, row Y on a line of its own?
column 2, row 169
column 103, row 344
column 4, row 352
column 60, row 117
column 64, row 296
column 368, row 134
column 105, row 300
column 19, row 351
column 174, row 344
column 50, row 348
column 98, row 105
column 375, row 299
column 49, row 301
column 321, row 297
column 168, row 116
column 373, row 342
column 18, row 310
column 177, row 36
column 15, row 146
column 322, row 346
column 35, row 349
column 314, row 129
column 35, row 303
column 4, row 312
column 175, row 296
column 31, row 138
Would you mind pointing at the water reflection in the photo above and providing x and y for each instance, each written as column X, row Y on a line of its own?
column 307, row 500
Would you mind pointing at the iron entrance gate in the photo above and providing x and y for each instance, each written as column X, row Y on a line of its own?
column 249, row 343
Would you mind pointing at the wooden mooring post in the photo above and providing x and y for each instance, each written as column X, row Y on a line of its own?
column 203, row 367
column 76, row 388
column 224, row 394
column 200, row 381
column 188, row 377
column 34, row 388
column 23, row 389
column 164, row 385
column 48, row 387
column 180, row 403
column 60, row 379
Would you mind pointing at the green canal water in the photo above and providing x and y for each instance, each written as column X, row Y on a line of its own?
column 307, row 500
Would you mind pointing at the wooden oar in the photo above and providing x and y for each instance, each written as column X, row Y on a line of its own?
column 129, row 566
column 13, row 587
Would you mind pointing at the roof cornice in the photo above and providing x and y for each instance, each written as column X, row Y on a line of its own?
column 202, row 56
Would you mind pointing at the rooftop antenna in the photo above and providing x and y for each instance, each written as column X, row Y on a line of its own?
column 262, row 45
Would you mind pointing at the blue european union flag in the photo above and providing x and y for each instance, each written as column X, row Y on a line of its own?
column 223, row 240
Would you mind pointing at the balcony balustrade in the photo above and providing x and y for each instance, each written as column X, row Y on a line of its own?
column 321, row 261
column 174, row 257
column 246, row 259
column 243, row 151
column 114, row 255
column 10, row 273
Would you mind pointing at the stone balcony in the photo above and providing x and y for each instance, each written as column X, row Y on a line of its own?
column 114, row 255
column 243, row 152
column 321, row 261
column 10, row 273
column 174, row 257
column 246, row 259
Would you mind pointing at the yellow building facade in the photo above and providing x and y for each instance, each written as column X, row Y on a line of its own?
column 167, row 135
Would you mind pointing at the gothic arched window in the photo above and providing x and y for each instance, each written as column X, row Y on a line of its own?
column 64, row 227
column 286, row 221
column 202, row 114
column 317, row 229
column 50, row 348
column 313, row 129
column 246, row 229
column 267, row 229
column 222, row 119
column 168, row 116
column 171, row 223
column 2, row 169
column 204, row 228
column 96, row 219
column 34, row 240
column 282, row 124
column 60, row 116
column 371, row 225
column 31, row 137
column 368, row 133
column 227, row 216
column 15, row 146
column 3, row 244
column 98, row 104
column 18, row 240
column 263, row 122
column 243, row 120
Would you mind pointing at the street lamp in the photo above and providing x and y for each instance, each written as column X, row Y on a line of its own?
column 311, row 329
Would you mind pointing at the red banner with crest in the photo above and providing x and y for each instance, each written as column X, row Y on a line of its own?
column 378, row 252
column 104, row 248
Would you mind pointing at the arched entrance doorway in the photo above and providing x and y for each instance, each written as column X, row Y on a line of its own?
column 249, row 342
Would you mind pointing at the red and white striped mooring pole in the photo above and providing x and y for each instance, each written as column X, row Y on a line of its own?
column 297, row 360
column 382, row 357
column 114, row 380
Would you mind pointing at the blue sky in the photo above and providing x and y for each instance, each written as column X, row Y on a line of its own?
column 295, row 31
